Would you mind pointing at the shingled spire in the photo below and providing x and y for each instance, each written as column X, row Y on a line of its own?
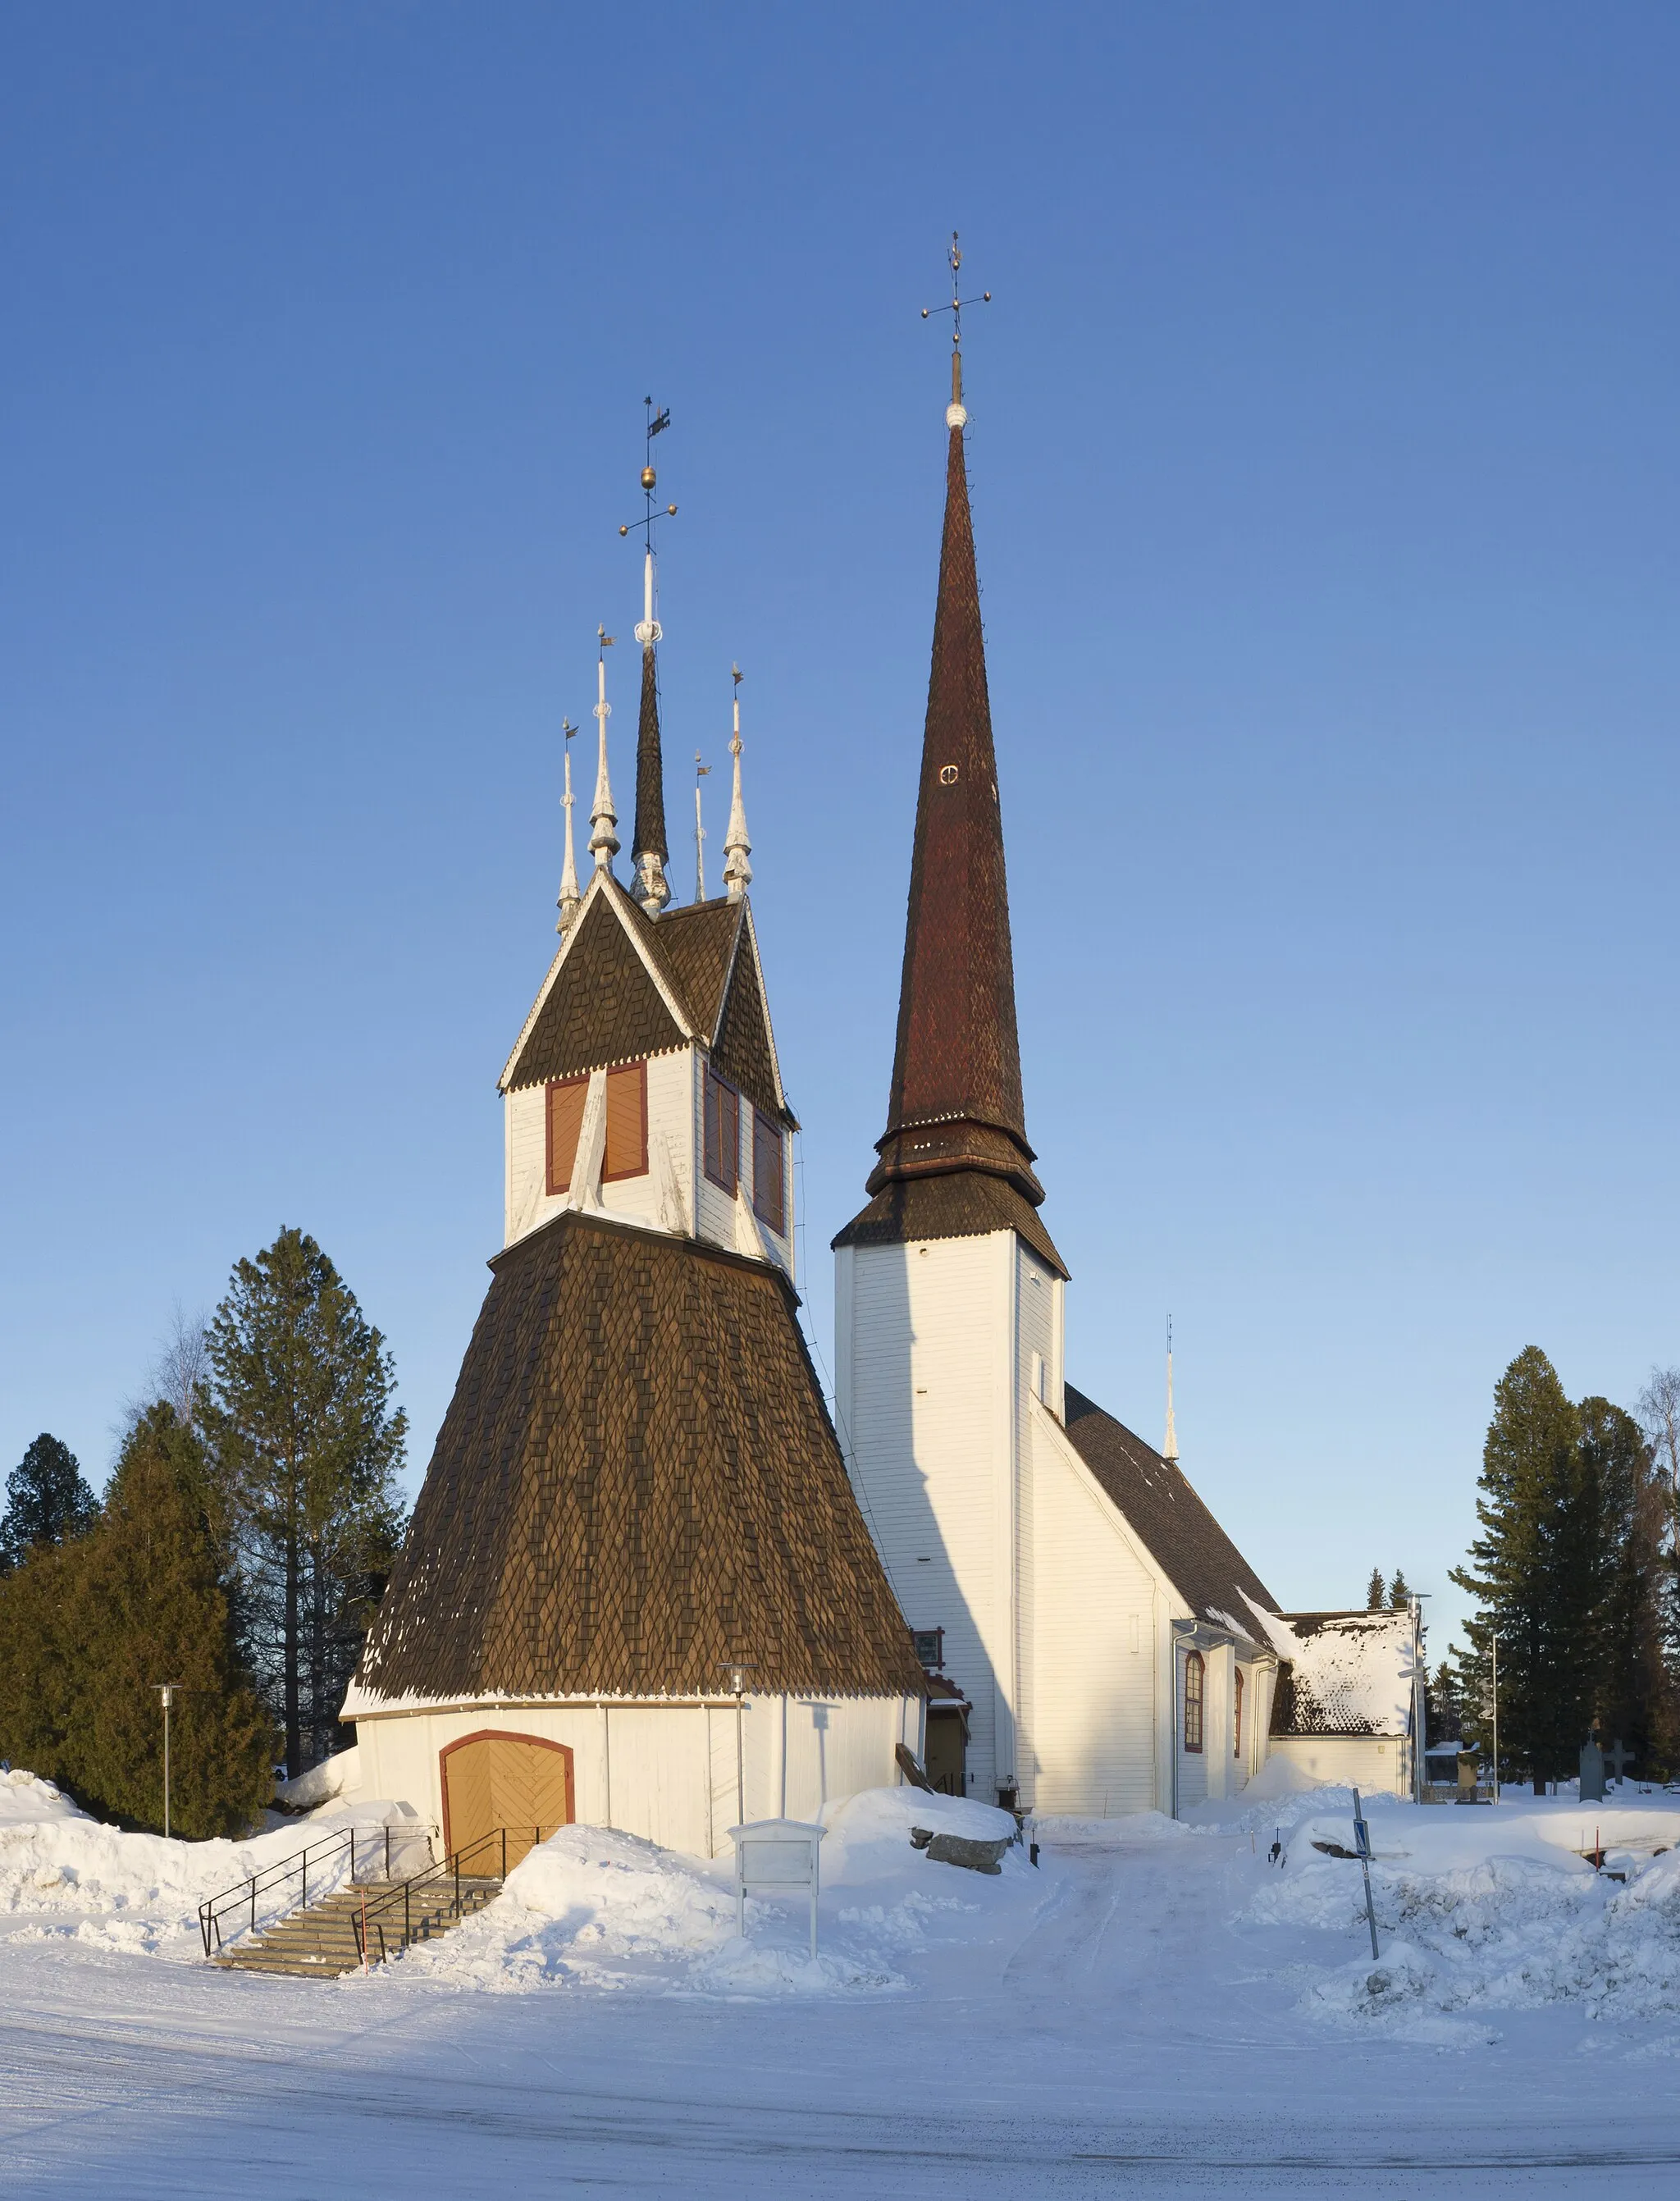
column 954, row 1159
column 650, row 851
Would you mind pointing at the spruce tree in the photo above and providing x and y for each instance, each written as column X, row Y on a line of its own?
column 46, row 1500
column 1375, row 1591
column 1400, row 1593
column 155, row 1610
column 300, row 1424
column 41, row 1667
column 1537, row 1574
column 1632, row 1678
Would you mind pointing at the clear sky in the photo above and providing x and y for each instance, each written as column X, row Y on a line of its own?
column 1324, row 451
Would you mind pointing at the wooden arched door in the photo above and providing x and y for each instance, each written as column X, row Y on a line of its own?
column 494, row 1779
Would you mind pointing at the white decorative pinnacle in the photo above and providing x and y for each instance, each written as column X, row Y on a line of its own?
column 1170, row 1443
column 604, row 841
column 737, row 872
column 956, row 416
column 648, row 628
column 569, row 896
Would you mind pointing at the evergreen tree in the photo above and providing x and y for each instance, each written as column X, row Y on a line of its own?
column 1375, row 1591
column 1537, row 1573
column 299, row 1421
column 46, row 1500
column 1659, row 1419
column 1633, row 1682
column 1443, row 1710
column 1400, row 1593
column 89, row 1629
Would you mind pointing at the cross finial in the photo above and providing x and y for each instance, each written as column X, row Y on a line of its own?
column 955, row 415
column 648, row 627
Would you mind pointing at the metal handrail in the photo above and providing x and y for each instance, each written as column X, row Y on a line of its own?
column 245, row 1894
column 488, row 1849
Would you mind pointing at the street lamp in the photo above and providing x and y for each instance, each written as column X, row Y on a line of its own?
column 738, row 1670
column 167, row 1691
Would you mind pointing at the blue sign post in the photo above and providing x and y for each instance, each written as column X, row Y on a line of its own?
column 1362, row 1851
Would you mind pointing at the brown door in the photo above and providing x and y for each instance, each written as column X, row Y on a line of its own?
column 945, row 1753
column 492, row 1781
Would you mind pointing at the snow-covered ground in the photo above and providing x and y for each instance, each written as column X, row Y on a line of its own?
column 1155, row 2007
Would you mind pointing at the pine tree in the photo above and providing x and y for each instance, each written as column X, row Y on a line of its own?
column 1400, row 1593
column 1633, row 1682
column 1375, row 1591
column 299, row 1423
column 1444, row 1709
column 46, row 1500
column 1537, row 1574
column 87, row 1630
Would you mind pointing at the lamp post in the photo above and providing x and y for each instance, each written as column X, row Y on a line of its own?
column 167, row 1691
column 1495, row 1641
column 738, row 1670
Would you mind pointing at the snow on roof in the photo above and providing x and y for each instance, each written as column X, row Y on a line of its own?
column 1340, row 1673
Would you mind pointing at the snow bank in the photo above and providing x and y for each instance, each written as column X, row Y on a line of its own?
column 1484, row 1910
column 1126, row 1831
column 76, row 1875
column 594, row 1908
column 24, row 1796
column 335, row 1778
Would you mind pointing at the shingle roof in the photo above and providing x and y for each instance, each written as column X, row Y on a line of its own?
column 1342, row 1673
column 955, row 1109
column 1155, row 1496
column 649, row 836
column 637, row 1480
column 967, row 1204
column 601, row 1005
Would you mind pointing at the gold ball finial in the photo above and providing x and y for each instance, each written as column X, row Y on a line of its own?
column 649, row 478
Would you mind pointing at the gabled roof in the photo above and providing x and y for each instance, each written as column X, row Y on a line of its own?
column 637, row 1481
column 1166, row 1514
column 622, row 985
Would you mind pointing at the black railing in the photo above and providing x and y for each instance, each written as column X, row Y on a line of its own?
column 395, row 1919
column 241, row 1902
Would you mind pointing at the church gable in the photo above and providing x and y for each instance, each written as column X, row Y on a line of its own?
column 602, row 1004
column 744, row 1050
column 696, row 947
column 637, row 1481
column 1167, row 1517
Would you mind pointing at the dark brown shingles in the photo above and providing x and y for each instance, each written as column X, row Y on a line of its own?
column 967, row 1205
column 1155, row 1497
column 603, row 1007
column 744, row 1049
column 694, row 944
column 637, row 1481
column 649, row 837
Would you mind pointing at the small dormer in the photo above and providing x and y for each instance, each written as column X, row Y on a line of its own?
column 645, row 1085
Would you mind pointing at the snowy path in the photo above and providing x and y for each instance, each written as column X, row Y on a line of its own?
column 1129, row 2040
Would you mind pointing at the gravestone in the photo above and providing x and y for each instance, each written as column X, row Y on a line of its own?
column 1592, row 1772
column 1466, row 1776
column 1618, row 1758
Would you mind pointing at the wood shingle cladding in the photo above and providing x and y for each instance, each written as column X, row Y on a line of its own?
column 1157, row 1501
column 636, row 1482
column 602, row 1007
column 955, row 1114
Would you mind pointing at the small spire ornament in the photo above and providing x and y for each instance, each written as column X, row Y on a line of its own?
column 604, row 840
column 569, row 896
column 956, row 415
column 701, row 772
column 737, row 871
column 1169, row 1449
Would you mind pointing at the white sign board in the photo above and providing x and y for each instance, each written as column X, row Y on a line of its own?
column 773, row 1857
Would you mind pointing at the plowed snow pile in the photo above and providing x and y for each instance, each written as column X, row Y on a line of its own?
column 1484, row 1911
column 73, row 1876
column 593, row 1908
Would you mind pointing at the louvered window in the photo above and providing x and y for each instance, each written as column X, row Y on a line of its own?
column 770, row 1191
column 1194, row 1673
column 723, row 1132
column 566, row 1117
column 1236, row 1717
column 627, row 1152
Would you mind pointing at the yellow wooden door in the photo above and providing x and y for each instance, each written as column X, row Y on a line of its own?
column 512, row 1780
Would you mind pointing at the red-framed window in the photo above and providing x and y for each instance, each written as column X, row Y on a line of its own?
column 1237, row 1714
column 769, row 1185
column 626, row 1149
column 723, row 1132
column 1195, row 1677
column 564, row 1106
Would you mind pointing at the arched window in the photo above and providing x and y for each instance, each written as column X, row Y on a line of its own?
column 1236, row 1716
column 1194, row 1673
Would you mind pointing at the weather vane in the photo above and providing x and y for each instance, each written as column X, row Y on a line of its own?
column 955, row 309
column 657, row 424
column 701, row 772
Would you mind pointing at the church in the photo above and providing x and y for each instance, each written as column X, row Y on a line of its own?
column 651, row 1581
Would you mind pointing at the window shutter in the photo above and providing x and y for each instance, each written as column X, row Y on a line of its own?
column 626, row 1122
column 566, row 1117
column 769, row 1176
column 723, row 1132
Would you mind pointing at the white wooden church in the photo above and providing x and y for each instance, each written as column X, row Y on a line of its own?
column 650, row 1582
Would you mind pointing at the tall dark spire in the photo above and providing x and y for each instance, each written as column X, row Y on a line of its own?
column 650, row 851
column 954, row 1159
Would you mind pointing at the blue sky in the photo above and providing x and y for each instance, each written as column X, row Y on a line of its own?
column 1324, row 453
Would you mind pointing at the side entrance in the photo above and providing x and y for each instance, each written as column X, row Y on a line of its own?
column 495, row 1779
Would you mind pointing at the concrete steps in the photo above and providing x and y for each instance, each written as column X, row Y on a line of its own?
column 321, row 1942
